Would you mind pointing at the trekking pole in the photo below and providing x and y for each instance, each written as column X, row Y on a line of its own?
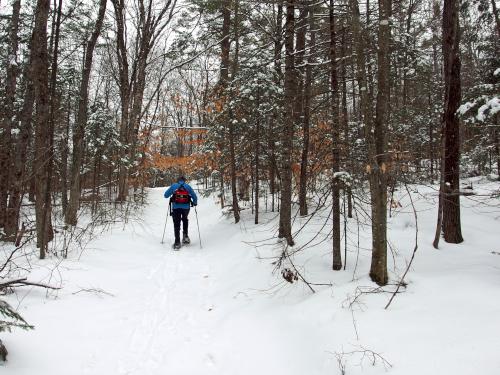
column 165, row 227
column 198, row 225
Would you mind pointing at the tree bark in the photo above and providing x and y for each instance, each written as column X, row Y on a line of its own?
column 278, row 45
column 123, row 79
column 285, row 227
column 335, row 123
column 232, row 146
column 257, row 163
column 40, row 69
column 7, row 219
column 451, row 54
column 224, row 87
column 53, row 103
column 64, row 144
column 21, row 150
column 345, row 123
column 379, row 170
column 306, row 108
column 81, row 121
column 497, row 146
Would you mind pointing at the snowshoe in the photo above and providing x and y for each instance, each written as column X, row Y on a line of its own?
column 177, row 245
column 185, row 239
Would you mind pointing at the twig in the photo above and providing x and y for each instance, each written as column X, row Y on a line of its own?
column 365, row 353
column 401, row 281
column 93, row 290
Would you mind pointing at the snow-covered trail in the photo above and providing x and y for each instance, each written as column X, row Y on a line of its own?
column 133, row 306
column 163, row 311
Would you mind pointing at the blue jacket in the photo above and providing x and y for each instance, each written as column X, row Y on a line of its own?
column 190, row 190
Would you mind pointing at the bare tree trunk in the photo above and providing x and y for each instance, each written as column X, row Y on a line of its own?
column 495, row 14
column 232, row 151
column 221, row 187
column 272, row 162
column 411, row 8
column 81, row 121
column 224, row 86
column 7, row 217
column 53, row 103
column 64, row 144
column 451, row 54
column 437, row 75
column 21, row 151
column 439, row 226
column 378, row 175
column 123, row 77
column 345, row 123
column 257, row 162
column 40, row 69
column 334, row 87
column 232, row 168
column 285, row 227
column 365, row 98
column 431, row 144
column 497, row 147
column 306, row 111
column 278, row 44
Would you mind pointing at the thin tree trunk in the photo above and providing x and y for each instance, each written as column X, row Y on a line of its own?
column 21, row 150
column 439, row 226
column 495, row 14
column 378, row 175
column 224, row 87
column 40, row 69
column 497, row 146
column 64, row 157
column 278, row 44
column 7, row 216
column 307, row 113
column 123, row 77
column 334, row 87
column 257, row 162
column 345, row 124
column 285, row 227
column 81, row 121
column 232, row 147
column 53, row 103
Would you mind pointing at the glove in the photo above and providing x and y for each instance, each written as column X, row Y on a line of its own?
column 194, row 204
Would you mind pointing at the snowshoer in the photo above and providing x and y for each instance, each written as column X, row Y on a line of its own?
column 181, row 197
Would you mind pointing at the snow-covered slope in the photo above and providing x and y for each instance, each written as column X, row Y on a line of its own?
column 131, row 305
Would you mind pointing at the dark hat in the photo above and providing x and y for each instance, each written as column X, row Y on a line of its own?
column 181, row 178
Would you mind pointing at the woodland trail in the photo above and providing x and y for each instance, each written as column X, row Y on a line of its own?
column 133, row 306
column 150, row 310
column 200, row 312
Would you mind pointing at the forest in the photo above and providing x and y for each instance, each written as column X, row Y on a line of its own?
column 332, row 142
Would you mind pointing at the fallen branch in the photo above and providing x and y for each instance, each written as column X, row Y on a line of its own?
column 24, row 282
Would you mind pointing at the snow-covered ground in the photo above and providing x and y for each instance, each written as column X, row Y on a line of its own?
column 131, row 305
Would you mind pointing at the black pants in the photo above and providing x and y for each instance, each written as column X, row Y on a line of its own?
column 179, row 214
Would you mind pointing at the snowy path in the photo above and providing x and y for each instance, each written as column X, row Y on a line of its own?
column 220, row 311
column 185, row 312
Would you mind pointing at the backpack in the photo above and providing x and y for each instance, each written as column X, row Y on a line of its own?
column 181, row 195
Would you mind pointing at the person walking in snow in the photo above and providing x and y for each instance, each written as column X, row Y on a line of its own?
column 181, row 197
